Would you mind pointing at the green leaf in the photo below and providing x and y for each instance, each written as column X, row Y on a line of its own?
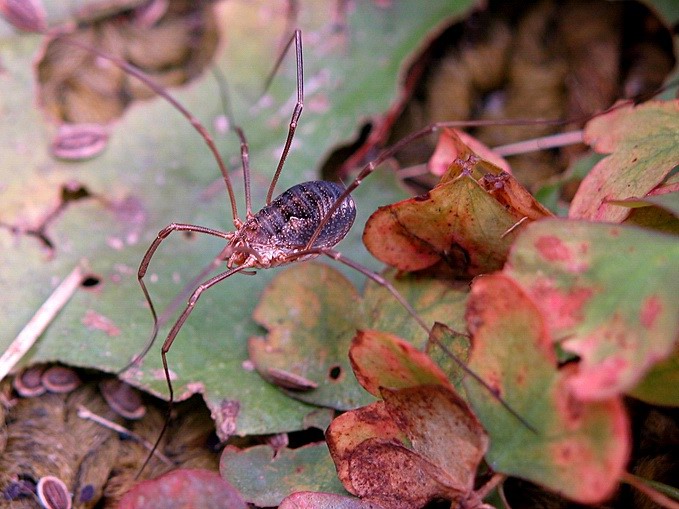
column 659, row 386
column 644, row 148
column 265, row 479
column 669, row 202
column 577, row 448
column 608, row 294
column 157, row 170
column 444, row 341
column 312, row 313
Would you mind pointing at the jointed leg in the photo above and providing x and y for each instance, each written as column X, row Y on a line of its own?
column 143, row 267
column 336, row 255
column 170, row 339
column 297, row 37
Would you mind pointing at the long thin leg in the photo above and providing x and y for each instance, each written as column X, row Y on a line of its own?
column 245, row 163
column 170, row 339
column 245, row 153
column 297, row 37
column 143, row 267
column 336, row 255
column 188, row 288
column 197, row 125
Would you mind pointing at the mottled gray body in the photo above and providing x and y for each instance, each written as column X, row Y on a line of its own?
column 288, row 222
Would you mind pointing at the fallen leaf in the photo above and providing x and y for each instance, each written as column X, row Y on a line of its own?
column 420, row 443
column 620, row 316
column 184, row 489
column 381, row 360
column 395, row 477
column 466, row 223
column 442, row 429
column 644, row 148
column 350, row 429
column 576, row 448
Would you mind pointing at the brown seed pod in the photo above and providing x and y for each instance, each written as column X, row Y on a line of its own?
column 53, row 493
column 28, row 382
column 289, row 380
column 124, row 399
column 60, row 379
column 75, row 142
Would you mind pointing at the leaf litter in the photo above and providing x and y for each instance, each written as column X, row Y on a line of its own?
column 554, row 284
column 648, row 314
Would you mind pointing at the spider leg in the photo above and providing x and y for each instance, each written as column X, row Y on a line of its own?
column 336, row 255
column 144, row 265
column 170, row 339
column 297, row 38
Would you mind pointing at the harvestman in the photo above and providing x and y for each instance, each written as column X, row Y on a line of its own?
column 304, row 222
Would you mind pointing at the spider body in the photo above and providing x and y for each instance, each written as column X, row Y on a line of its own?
column 274, row 235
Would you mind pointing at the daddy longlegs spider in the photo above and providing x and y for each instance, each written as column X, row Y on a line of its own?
column 302, row 223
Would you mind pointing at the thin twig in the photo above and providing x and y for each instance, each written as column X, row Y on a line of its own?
column 85, row 413
column 40, row 320
column 514, row 227
column 494, row 481
column 542, row 143
column 649, row 491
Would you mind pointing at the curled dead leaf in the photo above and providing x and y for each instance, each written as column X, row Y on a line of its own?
column 380, row 359
column 466, row 223
column 420, row 443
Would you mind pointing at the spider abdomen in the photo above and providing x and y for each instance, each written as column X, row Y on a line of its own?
column 291, row 219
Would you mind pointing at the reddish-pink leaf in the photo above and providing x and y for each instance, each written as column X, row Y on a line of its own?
column 577, row 448
column 184, row 489
column 453, row 143
column 642, row 141
column 619, row 316
column 380, row 359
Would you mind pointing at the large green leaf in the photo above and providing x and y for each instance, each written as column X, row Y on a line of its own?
column 609, row 294
column 265, row 477
column 644, row 148
column 576, row 448
column 157, row 170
